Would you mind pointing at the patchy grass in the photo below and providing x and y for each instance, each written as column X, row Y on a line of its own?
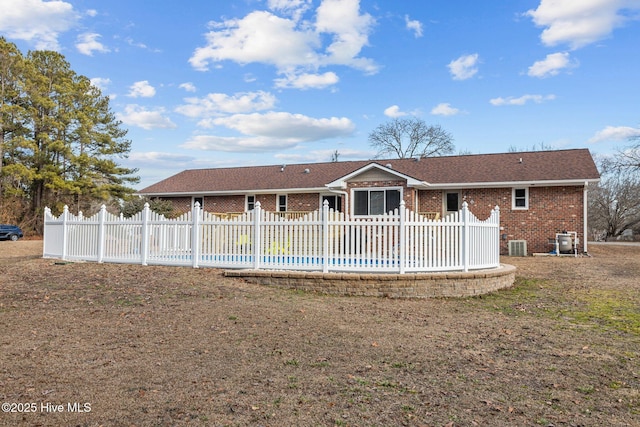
column 177, row 346
column 607, row 309
column 604, row 308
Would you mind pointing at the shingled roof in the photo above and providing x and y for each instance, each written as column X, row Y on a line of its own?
column 537, row 168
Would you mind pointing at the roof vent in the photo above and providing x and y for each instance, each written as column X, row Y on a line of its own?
column 520, row 160
column 282, row 168
column 389, row 165
column 307, row 171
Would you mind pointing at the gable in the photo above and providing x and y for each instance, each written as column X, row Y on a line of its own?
column 374, row 174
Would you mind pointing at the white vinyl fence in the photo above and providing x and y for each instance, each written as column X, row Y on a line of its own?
column 324, row 240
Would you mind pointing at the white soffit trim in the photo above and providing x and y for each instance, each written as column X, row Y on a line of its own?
column 550, row 183
column 235, row 192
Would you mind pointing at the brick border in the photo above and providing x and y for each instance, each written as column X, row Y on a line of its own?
column 418, row 285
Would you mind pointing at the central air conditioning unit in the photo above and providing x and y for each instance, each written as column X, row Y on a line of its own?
column 517, row 248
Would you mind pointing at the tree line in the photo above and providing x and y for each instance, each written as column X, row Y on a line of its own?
column 60, row 143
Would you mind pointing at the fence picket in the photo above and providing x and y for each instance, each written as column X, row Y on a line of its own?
column 401, row 241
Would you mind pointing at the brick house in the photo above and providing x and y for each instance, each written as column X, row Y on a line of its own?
column 539, row 193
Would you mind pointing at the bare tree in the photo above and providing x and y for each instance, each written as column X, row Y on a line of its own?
column 534, row 147
column 614, row 205
column 629, row 158
column 405, row 138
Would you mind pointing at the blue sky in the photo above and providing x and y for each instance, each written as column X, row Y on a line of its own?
column 203, row 84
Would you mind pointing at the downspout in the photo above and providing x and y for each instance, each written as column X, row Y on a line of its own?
column 585, row 204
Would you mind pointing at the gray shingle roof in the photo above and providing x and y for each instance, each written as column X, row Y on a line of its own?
column 538, row 166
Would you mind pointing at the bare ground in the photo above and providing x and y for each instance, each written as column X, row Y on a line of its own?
column 165, row 346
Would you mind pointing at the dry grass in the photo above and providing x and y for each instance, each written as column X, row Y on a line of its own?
column 155, row 346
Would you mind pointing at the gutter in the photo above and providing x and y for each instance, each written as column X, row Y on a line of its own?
column 232, row 192
column 550, row 183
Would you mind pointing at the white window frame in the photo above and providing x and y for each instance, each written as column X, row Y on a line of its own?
column 369, row 190
column 526, row 199
column 286, row 202
column 444, row 201
column 246, row 202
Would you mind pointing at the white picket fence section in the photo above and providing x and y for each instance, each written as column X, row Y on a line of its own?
column 324, row 240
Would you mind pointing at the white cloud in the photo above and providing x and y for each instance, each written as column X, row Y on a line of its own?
column 157, row 158
column 88, row 43
column 551, row 65
column 269, row 132
column 413, row 25
column 136, row 115
column 538, row 99
column 287, row 126
column 308, row 81
column 444, row 109
column 36, row 21
column 188, row 86
column 258, row 37
column 350, row 31
column 579, row 23
column 237, row 144
column 91, row 12
column 394, row 112
column 141, row 89
column 133, row 43
column 615, row 133
column 216, row 104
column 464, row 67
column 100, row 82
column 293, row 8
column 293, row 46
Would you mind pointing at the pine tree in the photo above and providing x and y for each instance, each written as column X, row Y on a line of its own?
column 65, row 146
column 11, row 110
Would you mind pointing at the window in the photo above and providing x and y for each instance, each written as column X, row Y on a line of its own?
column 452, row 202
column 282, row 203
column 375, row 202
column 251, row 203
column 198, row 200
column 520, row 198
column 335, row 202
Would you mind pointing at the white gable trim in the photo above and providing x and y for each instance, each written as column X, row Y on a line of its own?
column 342, row 182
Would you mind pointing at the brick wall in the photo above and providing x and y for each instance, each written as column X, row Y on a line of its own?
column 551, row 210
column 235, row 203
column 180, row 204
column 303, row 202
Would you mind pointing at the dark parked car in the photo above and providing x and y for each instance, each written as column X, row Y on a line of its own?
column 10, row 232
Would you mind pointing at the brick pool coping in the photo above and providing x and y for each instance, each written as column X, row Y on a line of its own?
column 409, row 285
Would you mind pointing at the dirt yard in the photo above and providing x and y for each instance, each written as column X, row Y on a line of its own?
column 86, row 344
